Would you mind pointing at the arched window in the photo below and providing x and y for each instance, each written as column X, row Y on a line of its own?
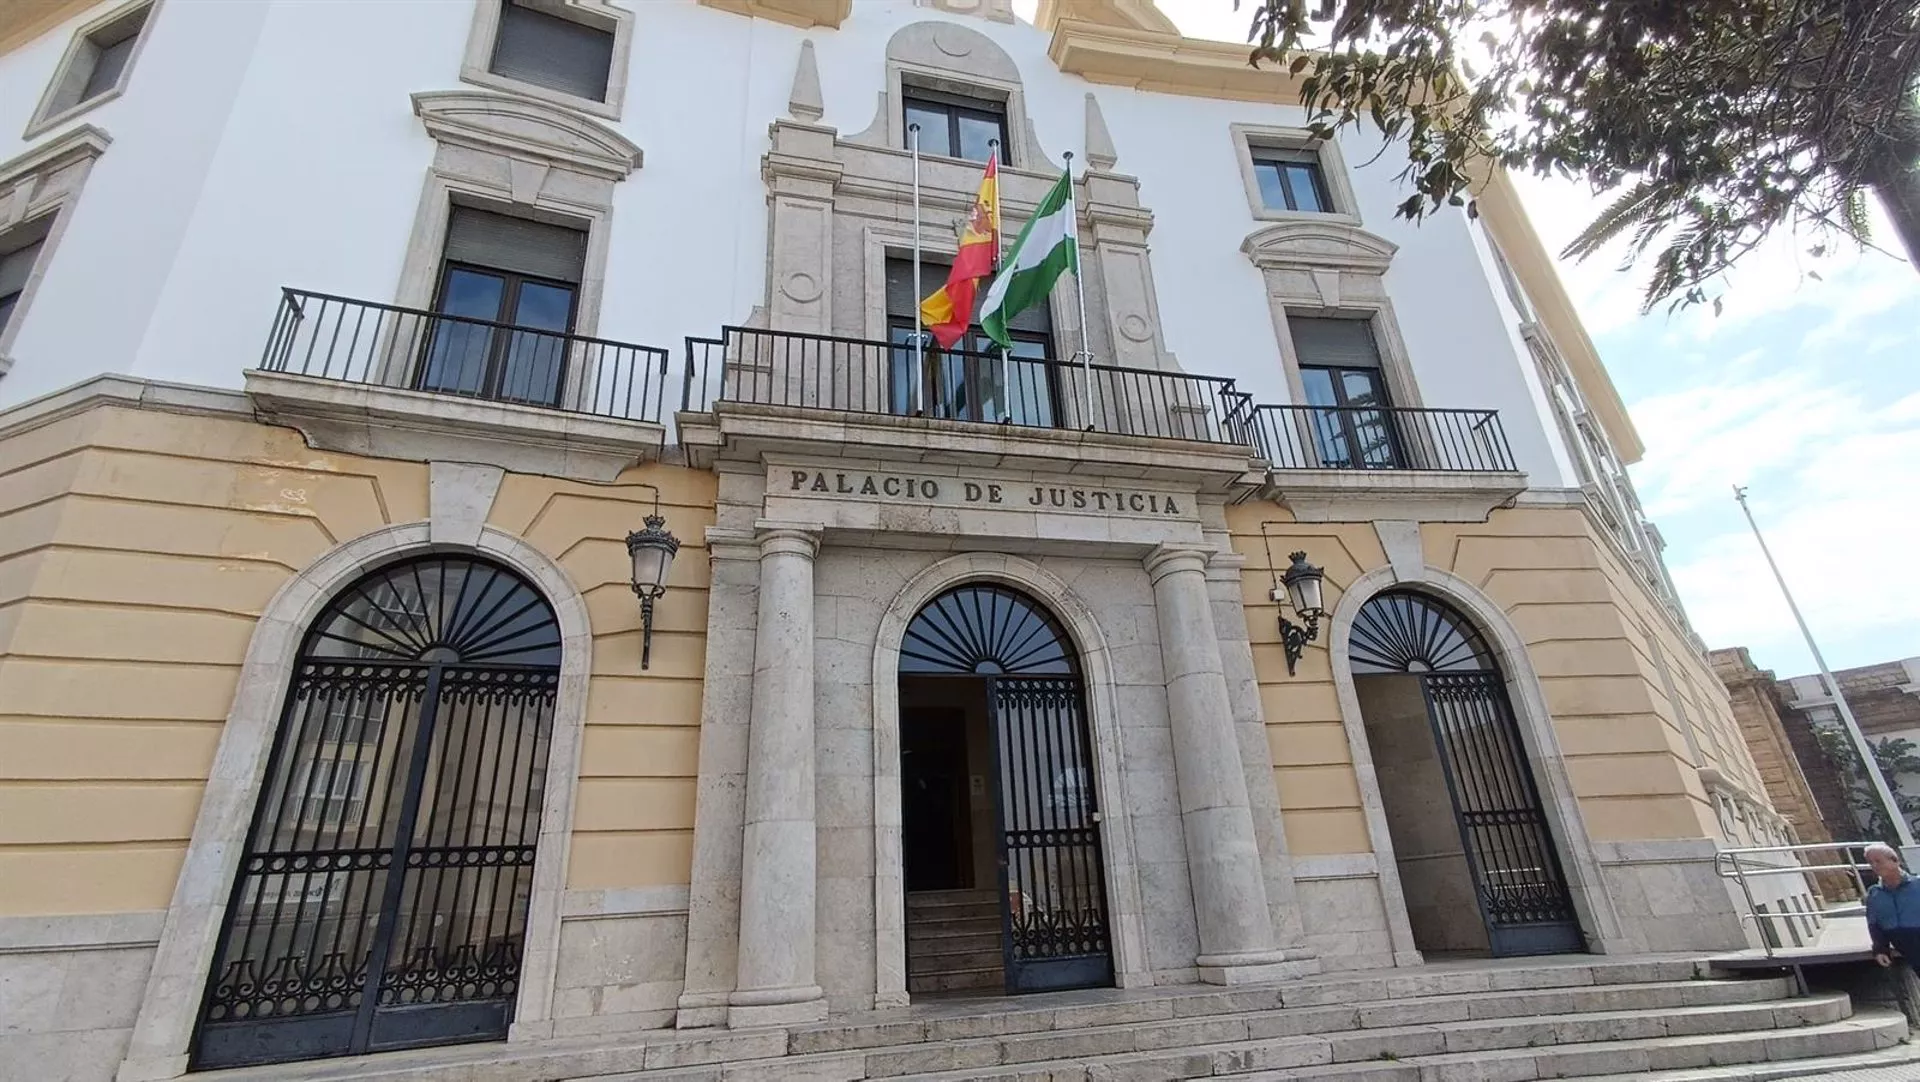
column 986, row 630
column 1405, row 632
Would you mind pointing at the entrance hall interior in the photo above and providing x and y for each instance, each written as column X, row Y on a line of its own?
column 946, row 802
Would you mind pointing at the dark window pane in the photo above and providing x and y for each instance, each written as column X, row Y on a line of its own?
column 535, row 362
column 547, row 50
column 1362, row 388
column 7, row 303
column 1273, row 194
column 457, row 358
column 903, row 371
column 107, row 66
column 935, row 134
column 1319, row 386
column 1304, row 182
column 975, row 134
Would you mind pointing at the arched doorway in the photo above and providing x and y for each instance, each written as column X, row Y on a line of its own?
column 381, row 900
column 1003, row 872
column 1471, row 840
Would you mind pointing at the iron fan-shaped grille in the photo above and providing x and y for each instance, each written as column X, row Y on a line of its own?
column 439, row 609
column 1413, row 633
column 987, row 630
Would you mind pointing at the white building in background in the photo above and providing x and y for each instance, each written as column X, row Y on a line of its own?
column 347, row 349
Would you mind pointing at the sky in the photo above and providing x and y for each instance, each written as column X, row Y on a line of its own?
column 1805, row 389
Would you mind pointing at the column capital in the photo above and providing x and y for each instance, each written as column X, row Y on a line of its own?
column 729, row 544
column 1166, row 560
column 788, row 538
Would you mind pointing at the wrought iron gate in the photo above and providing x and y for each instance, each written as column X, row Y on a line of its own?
column 1054, row 906
column 1518, row 880
column 1053, row 903
column 381, row 901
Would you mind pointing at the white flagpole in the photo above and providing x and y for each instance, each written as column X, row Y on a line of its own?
column 1869, row 765
column 999, row 254
column 919, row 337
column 1085, row 355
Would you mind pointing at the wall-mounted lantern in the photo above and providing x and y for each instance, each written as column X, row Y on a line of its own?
column 1302, row 587
column 652, row 550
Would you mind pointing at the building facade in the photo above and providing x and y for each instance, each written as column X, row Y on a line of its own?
column 1885, row 700
column 346, row 347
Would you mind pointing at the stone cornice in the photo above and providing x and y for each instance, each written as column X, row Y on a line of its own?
column 1167, row 63
column 1504, row 218
column 1126, row 14
column 21, row 21
column 523, row 127
column 1322, row 245
column 804, row 14
column 84, row 141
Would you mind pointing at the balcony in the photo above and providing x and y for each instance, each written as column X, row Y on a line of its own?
column 377, row 379
column 783, row 390
column 1368, row 438
column 1358, row 462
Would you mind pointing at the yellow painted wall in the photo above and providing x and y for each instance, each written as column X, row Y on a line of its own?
column 137, row 549
column 1585, row 621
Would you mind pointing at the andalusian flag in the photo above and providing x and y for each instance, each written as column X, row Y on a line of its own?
column 1048, row 246
column 948, row 312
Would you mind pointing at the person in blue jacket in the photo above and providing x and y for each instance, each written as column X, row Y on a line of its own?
column 1893, row 908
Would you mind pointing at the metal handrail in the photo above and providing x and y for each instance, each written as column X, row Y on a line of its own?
column 1382, row 438
column 329, row 337
column 1727, row 864
column 868, row 376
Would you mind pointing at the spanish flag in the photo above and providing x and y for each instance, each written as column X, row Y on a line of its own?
column 949, row 310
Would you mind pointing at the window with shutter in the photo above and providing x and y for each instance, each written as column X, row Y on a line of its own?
column 1340, row 371
column 19, row 249
column 538, row 47
column 504, row 270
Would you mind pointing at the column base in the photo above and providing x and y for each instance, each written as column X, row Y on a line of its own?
column 701, row 1010
column 151, row 1069
column 776, row 1007
column 1256, row 967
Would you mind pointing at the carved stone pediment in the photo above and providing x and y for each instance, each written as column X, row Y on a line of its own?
column 1307, row 244
column 523, row 127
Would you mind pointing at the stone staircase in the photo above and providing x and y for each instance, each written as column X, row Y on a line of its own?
column 953, row 942
column 1665, row 1018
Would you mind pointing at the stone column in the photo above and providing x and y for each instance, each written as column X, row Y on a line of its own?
column 775, row 983
column 1237, row 943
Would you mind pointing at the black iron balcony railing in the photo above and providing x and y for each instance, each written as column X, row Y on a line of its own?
column 780, row 368
column 337, row 338
column 1373, row 438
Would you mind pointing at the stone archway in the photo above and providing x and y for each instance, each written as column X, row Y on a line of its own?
column 1598, row 917
column 163, row 1030
column 1121, row 873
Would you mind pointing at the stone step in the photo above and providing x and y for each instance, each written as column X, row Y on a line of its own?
column 947, row 961
column 840, row 1047
column 934, row 927
column 975, row 979
column 941, row 897
column 1317, row 1059
column 945, row 911
column 1241, row 1043
column 921, row 943
column 1900, row 1063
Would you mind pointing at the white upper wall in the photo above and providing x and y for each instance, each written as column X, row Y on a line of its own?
column 272, row 143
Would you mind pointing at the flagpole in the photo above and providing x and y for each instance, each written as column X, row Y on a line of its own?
column 919, row 337
column 999, row 253
column 1869, row 764
column 1085, row 355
